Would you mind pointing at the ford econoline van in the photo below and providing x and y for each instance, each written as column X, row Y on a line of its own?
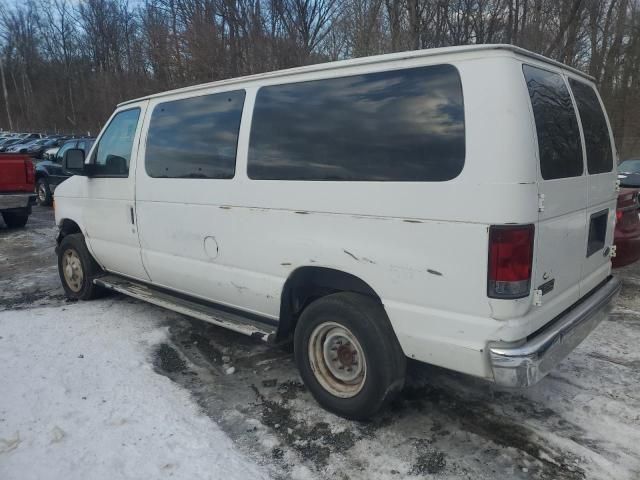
column 455, row 206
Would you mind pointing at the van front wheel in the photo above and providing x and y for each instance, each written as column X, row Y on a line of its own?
column 77, row 268
column 348, row 354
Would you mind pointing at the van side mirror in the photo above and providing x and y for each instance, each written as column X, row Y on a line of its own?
column 73, row 161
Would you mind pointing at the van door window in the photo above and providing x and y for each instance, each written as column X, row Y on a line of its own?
column 399, row 125
column 594, row 126
column 195, row 137
column 556, row 124
column 113, row 154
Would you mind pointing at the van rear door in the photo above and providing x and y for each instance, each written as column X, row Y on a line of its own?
column 562, row 188
column 601, row 178
column 576, row 197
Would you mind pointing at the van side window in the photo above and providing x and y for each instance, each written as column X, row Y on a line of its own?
column 196, row 137
column 594, row 126
column 401, row 125
column 113, row 153
column 556, row 124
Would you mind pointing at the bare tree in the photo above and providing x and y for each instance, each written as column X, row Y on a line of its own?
column 68, row 62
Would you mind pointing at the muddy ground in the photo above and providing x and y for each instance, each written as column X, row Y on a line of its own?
column 582, row 421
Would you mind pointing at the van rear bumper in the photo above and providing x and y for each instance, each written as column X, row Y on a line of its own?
column 524, row 363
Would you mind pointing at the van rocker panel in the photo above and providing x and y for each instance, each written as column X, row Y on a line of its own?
column 217, row 315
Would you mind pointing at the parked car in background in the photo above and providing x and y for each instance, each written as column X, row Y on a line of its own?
column 17, row 178
column 629, row 173
column 365, row 209
column 22, row 144
column 33, row 136
column 50, row 153
column 50, row 172
column 627, row 232
column 9, row 143
column 36, row 150
column 629, row 166
column 28, row 146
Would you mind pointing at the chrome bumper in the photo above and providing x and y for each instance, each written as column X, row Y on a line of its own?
column 525, row 363
column 16, row 200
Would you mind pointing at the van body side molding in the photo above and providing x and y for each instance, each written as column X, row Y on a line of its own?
column 527, row 362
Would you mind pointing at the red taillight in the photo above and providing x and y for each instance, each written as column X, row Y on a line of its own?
column 510, row 257
column 29, row 174
column 619, row 214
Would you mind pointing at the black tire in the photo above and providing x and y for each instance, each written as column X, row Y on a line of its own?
column 83, row 289
column 43, row 192
column 385, row 363
column 15, row 219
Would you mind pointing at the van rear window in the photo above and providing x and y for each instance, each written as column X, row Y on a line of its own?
column 401, row 125
column 594, row 127
column 556, row 124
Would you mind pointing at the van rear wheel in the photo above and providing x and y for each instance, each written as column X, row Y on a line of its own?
column 77, row 268
column 348, row 354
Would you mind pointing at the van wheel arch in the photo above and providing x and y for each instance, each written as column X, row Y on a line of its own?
column 67, row 227
column 308, row 283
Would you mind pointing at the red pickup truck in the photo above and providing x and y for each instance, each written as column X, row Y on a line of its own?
column 17, row 195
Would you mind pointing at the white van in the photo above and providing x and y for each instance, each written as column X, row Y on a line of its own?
column 455, row 206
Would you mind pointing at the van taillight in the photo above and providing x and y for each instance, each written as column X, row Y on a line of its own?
column 510, row 257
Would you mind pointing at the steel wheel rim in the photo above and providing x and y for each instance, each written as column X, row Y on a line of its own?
column 72, row 270
column 42, row 193
column 337, row 360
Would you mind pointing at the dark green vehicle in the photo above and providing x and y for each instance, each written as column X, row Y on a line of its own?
column 50, row 173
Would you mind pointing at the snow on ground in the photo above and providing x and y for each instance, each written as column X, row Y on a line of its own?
column 80, row 400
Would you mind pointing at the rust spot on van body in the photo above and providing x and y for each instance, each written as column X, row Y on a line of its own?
column 359, row 259
column 239, row 288
column 351, row 255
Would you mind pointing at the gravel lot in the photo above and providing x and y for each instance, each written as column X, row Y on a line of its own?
column 582, row 421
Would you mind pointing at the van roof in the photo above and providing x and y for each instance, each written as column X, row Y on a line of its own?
column 375, row 59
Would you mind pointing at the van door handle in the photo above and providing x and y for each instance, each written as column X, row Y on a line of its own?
column 133, row 222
